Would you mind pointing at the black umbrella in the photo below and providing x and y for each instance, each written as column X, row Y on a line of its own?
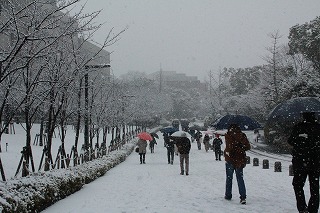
column 291, row 110
column 245, row 122
column 169, row 130
column 154, row 135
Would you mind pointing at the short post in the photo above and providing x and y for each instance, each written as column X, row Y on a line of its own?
column 46, row 164
column 277, row 166
column 265, row 164
column 6, row 147
column 68, row 161
column 24, row 169
column 248, row 159
column 255, row 162
column 291, row 170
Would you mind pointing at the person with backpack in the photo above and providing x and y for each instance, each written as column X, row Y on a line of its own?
column 216, row 145
column 305, row 142
column 235, row 156
column 184, row 145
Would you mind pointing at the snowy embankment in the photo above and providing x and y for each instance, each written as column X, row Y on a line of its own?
column 40, row 190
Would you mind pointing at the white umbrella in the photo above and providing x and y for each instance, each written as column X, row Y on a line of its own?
column 181, row 134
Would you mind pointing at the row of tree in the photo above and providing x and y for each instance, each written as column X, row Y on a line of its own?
column 48, row 75
column 291, row 70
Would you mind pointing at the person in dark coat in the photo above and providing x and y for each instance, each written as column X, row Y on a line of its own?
column 198, row 137
column 216, row 144
column 206, row 142
column 305, row 142
column 165, row 138
column 234, row 154
column 170, row 150
column 152, row 143
column 184, row 145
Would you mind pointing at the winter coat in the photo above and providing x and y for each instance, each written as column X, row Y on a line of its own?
column 236, row 145
column 305, row 139
column 206, row 139
column 142, row 144
column 153, row 142
column 216, row 143
column 198, row 135
column 170, row 143
column 184, row 145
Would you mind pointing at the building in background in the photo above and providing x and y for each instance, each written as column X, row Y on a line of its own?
column 177, row 80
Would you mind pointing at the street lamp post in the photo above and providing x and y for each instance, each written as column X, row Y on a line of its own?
column 86, row 97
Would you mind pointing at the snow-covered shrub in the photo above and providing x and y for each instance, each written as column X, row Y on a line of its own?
column 39, row 190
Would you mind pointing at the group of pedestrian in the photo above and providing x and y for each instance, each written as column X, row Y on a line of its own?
column 305, row 142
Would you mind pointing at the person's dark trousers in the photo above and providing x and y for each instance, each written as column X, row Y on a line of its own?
column 217, row 153
column 170, row 154
column 299, row 180
column 142, row 157
column 229, row 176
column 199, row 144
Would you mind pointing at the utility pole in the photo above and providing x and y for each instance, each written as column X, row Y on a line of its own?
column 160, row 79
column 86, row 106
column 210, row 83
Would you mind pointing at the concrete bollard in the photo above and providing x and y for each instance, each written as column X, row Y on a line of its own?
column 265, row 164
column 290, row 170
column 277, row 166
column 248, row 159
column 255, row 162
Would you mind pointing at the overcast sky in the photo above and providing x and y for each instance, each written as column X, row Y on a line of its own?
column 196, row 36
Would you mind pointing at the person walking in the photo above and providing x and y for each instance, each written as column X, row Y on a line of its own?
column 152, row 143
column 216, row 144
column 206, row 142
column 170, row 150
column 184, row 145
column 198, row 137
column 142, row 144
column 235, row 156
column 305, row 142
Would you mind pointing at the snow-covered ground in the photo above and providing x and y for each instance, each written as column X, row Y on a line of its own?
column 158, row 187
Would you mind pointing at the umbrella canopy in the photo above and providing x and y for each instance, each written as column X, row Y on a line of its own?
column 154, row 135
column 145, row 136
column 181, row 134
column 245, row 122
column 291, row 110
column 169, row 129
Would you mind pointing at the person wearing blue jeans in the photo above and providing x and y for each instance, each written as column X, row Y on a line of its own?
column 241, row 185
column 235, row 156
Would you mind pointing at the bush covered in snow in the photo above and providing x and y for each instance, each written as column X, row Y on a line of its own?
column 40, row 190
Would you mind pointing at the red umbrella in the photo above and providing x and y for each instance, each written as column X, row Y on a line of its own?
column 145, row 136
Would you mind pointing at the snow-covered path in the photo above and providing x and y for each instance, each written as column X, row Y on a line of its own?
column 158, row 187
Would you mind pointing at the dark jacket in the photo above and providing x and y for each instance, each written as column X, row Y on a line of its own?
column 206, row 139
column 183, row 145
column 305, row 141
column 198, row 135
column 236, row 146
column 169, row 143
column 216, row 143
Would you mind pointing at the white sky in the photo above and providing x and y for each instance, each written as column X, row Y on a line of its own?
column 193, row 37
